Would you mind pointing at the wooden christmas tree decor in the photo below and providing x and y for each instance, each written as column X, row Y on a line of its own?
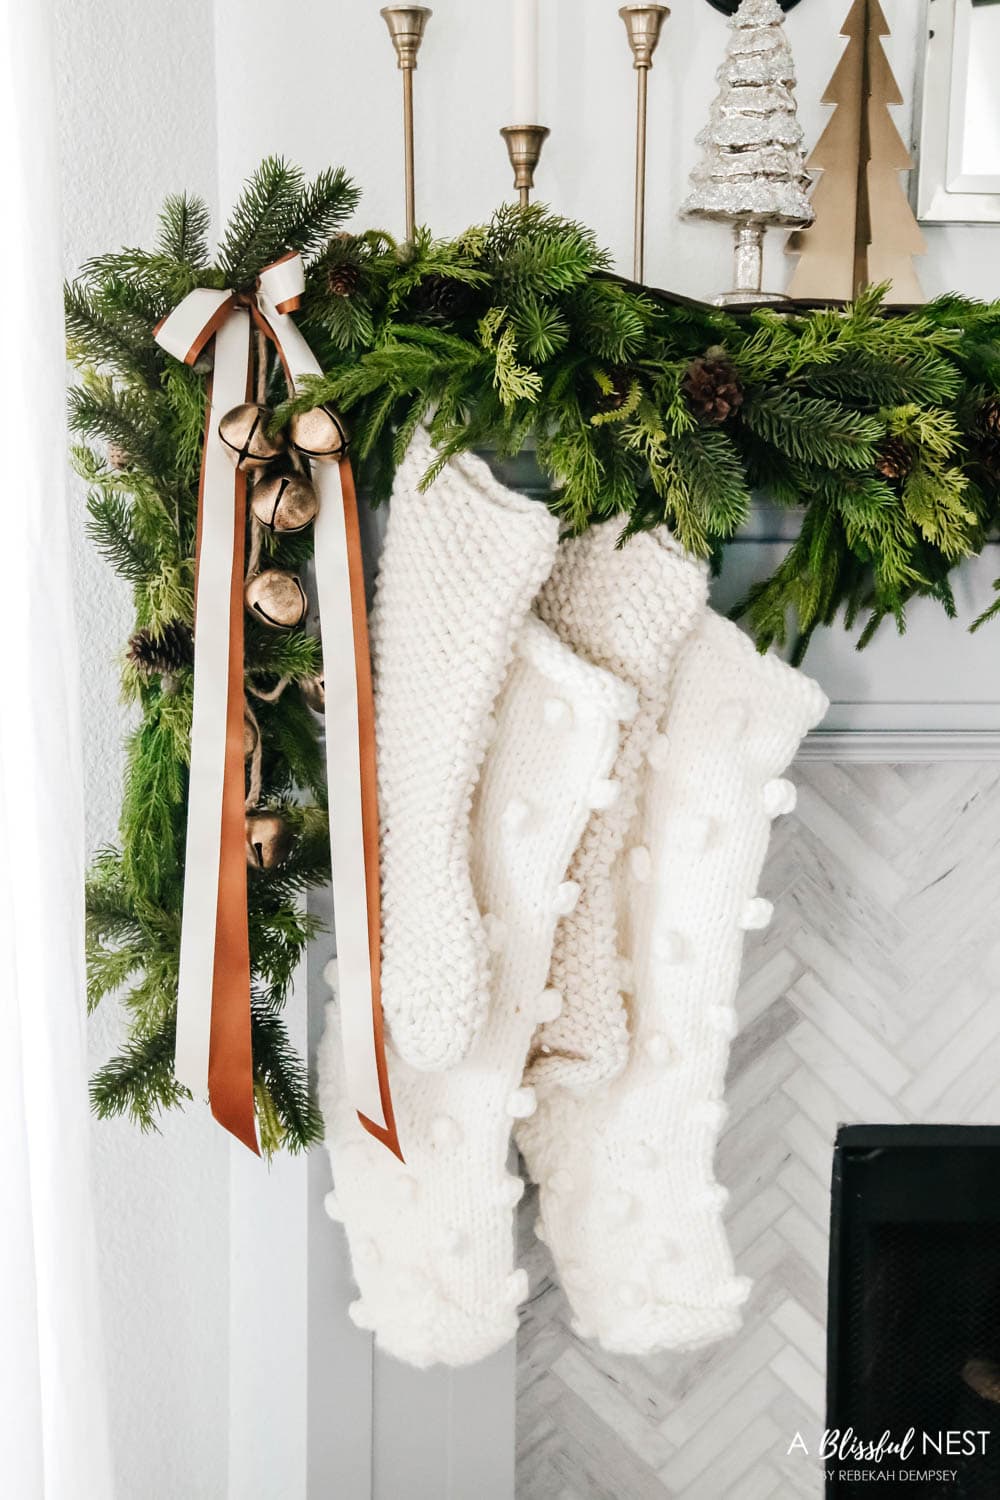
column 752, row 172
column 864, row 230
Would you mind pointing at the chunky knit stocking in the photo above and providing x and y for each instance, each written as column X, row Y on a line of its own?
column 432, row 1242
column 627, row 609
column 460, row 567
column 629, row 1205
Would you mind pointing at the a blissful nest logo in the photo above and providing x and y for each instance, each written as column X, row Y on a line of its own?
column 910, row 1457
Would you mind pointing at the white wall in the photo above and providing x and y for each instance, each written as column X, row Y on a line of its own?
column 341, row 104
column 136, row 89
column 158, row 97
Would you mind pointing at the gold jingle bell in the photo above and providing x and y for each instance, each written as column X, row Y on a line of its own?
column 284, row 502
column 319, row 434
column 276, row 599
column 244, row 433
column 314, row 692
column 269, row 840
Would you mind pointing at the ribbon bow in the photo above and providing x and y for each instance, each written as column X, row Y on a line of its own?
column 213, row 1049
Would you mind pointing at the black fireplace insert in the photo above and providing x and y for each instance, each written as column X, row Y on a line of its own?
column 913, row 1356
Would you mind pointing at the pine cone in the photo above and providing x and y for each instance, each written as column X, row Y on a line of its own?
column 117, row 457
column 165, row 652
column 621, row 378
column 985, row 437
column 712, row 386
column 988, row 419
column 442, row 299
column 895, row 459
column 343, row 279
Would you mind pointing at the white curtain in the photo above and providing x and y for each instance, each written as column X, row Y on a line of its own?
column 53, row 1421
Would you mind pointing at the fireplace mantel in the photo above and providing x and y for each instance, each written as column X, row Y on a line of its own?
column 932, row 694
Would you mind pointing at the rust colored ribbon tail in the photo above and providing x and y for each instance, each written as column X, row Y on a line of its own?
column 230, row 1058
column 385, row 1133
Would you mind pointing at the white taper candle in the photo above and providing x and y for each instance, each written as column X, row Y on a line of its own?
column 525, row 101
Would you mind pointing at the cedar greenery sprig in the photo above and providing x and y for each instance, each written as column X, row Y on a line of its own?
column 513, row 333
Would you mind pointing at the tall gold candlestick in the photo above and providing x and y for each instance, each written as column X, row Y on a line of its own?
column 524, row 147
column 643, row 23
column 406, row 25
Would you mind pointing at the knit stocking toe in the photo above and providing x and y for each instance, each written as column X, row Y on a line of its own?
column 460, row 567
column 629, row 1204
column 432, row 1241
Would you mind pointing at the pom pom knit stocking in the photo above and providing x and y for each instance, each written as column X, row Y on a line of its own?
column 629, row 1205
column 432, row 1242
column 459, row 569
column 627, row 609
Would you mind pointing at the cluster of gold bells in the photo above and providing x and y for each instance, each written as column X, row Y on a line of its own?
column 283, row 500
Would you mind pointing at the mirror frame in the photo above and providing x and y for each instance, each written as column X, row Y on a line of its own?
column 937, row 192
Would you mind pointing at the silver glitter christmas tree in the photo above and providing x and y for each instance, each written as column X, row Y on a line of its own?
column 752, row 171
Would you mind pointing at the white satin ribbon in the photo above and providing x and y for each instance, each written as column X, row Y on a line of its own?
column 208, row 720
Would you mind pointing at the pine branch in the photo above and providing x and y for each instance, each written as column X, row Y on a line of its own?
column 109, row 968
column 184, row 226
column 139, row 1083
column 293, row 1120
column 811, row 429
column 291, row 653
column 610, row 322
column 266, row 212
column 991, row 612
column 714, row 479
column 323, row 206
column 531, row 250
column 99, row 409
column 151, row 813
column 98, row 336
column 871, row 381
column 111, row 530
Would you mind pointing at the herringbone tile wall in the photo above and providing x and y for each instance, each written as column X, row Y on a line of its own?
column 874, row 996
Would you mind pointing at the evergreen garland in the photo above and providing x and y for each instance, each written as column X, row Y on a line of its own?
column 601, row 377
column 881, row 430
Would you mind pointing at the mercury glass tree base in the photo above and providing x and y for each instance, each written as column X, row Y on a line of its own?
column 748, row 267
column 748, row 298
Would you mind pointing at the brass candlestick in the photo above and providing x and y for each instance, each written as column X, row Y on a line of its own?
column 406, row 25
column 524, row 147
column 642, row 22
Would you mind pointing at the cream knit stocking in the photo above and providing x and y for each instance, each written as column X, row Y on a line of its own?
column 432, row 1242
column 460, row 567
column 629, row 1205
column 627, row 609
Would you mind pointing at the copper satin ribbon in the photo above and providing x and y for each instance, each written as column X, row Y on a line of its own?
column 214, row 1052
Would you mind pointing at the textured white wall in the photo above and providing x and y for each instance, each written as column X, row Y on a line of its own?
column 336, row 99
column 192, row 94
column 136, row 90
